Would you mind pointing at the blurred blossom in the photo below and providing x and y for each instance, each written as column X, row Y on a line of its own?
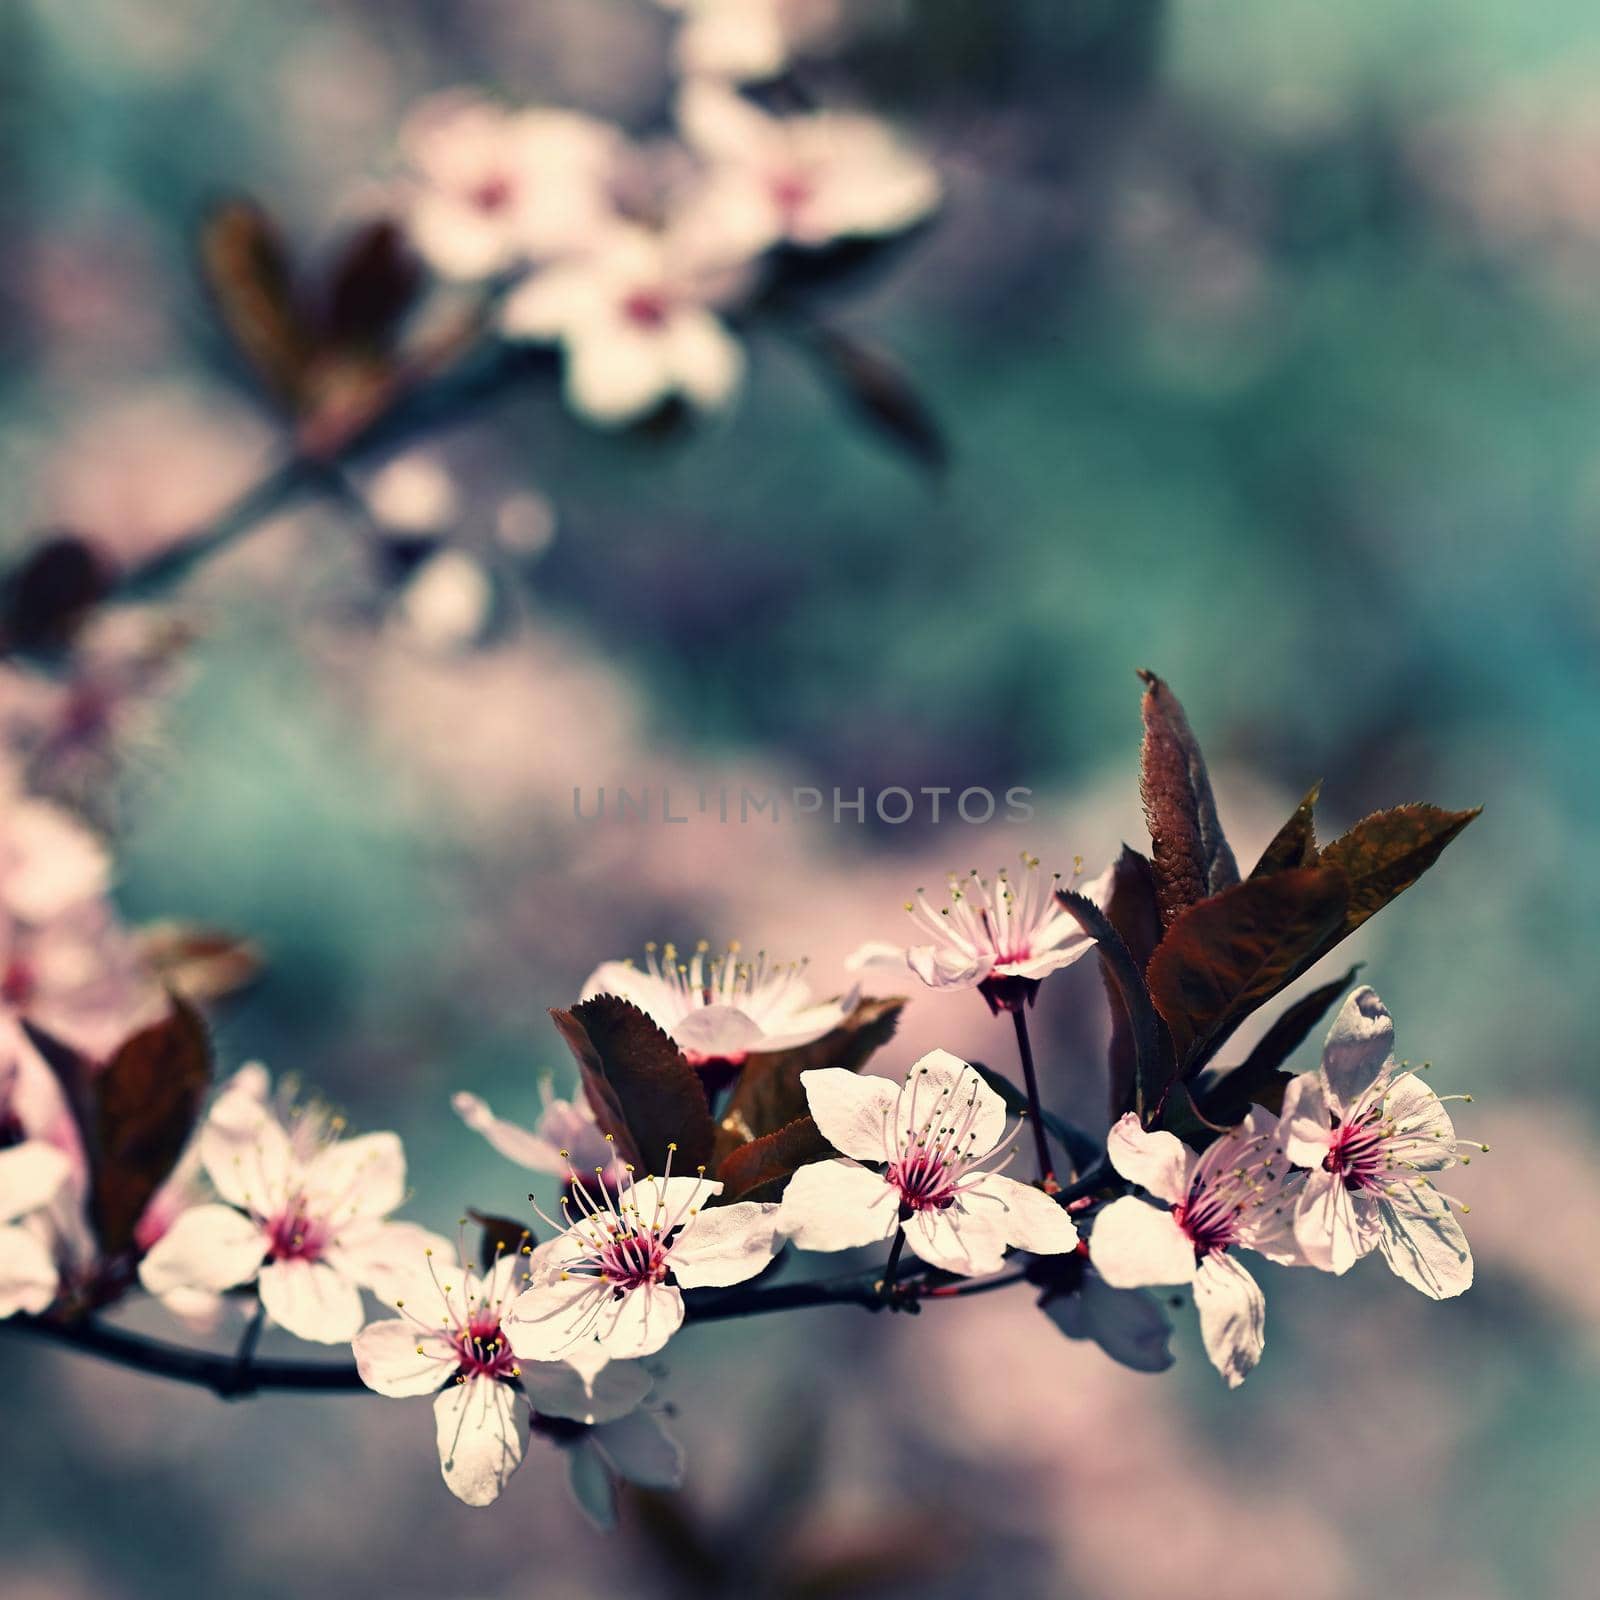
column 32, row 1176
column 526, row 523
column 807, row 179
column 756, row 39
column 495, row 187
column 448, row 603
column 637, row 325
column 414, row 493
column 566, row 1142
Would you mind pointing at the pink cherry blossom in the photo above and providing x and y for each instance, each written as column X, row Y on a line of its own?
column 1372, row 1135
column 750, row 40
column 450, row 1342
column 809, row 179
column 609, row 1286
column 33, row 1177
column 1002, row 938
column 1232, row 1195
column 566, row 1143
column 719, row 1009
column 931, row 1141
column 301, row 1214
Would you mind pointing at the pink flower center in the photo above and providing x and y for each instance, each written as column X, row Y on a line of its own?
column 648, row 309
column 1210, row 1218
column 1355, row 1155
column 481, row 1351
column 792, row 192
column 296, row 1237
column 18, row 981
column 492, row 195
column 926, row 1181
column 631, row 1260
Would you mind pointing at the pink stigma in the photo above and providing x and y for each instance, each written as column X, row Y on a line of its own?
column 492, row 195
column 481, row 1351
column 925, row 1181
column 295, row 1237
column 1355, row 1156
column 633, row 1260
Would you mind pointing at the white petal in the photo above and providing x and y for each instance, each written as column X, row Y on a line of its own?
column 706, row 359
column 1329, row 1225
column 633, row 984
column 388, row 1257
column 716, row 1031
column 970, row 1243
column 28, row 1275
column 970, row 1101
column 1233, row 1316
column 31, row 1175
column 1048, row 961
column 515, row 1144
column 943, row 968
column 615, row 376
column 640, row 1322
column 1134, row 1244
column 876, row 956
column 246, row 1153
column 312, row 1301
column 1130, row 1325
column 207, row 1247
column 363, row 1177
column 1028, row 1217
column 53, row 862
column 1159, row 1162
column 852, row 1111
column 836, row 1205
column 554, row 1315
column 397, row 1358
column 639, row 1450
column 1424, row 1136
column 1306, row 1122
column 592, row 1486
column 559, row 1389
column 479, row 1427
column 1423, row 1243
column 725, row 1245
column 1358, row 1045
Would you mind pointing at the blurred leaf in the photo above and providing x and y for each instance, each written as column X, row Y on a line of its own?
column 247, row 268
column 46, row 597
column 1083, row 1150
column 1227, row 955
column 373, row 282
column 197, row 962
column 642, row 1090
column 1135, row 912
column 72, row 1070
column 501, row 1236
column 1384, row 854
column 1152, row 1053
column 768, row 1095
column 878, row 389
column 1229, row 1092
column 761, row 1169
column 146, row 1101
column 1191, row 857
column 1295, row 843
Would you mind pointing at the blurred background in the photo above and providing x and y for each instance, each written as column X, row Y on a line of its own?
column 1266, row 341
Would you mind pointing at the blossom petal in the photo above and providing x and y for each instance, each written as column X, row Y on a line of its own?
column 592, row 1485
column 706, row 359
column 1158, row 1162
column 363, row 1177
column 1233, row 1316
column 1130, row 1325
column 28, row 1277
column 943, row 968
column 1329, row 1225
column 617, row 376
column 399, row 1359
column 1424, row 1136
column 387, row 1257
column 852, row 1111
column 31, row 1175
column 877, row 956
column 560, row 1389
column 1135, row 1244
column 630, row 983
column 1030, row 1219
column 640, row 1322
column 246, row 1153
column 527, row 1149
column 1424, row 1245
column 479, row 1426
column 836, row 1205
column 638, row 1449
column 554, row 1314
column 208, row 1247
column 970, row 1243
column 717, row 1031
column 971, row 1102
column 725, row 1245
column 1306, row 1123
column 312, row 1301
column 1358, row 1046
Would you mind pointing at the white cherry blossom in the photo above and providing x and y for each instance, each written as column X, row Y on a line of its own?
column 637, row 324
column 719, row 1009
column 495, row 187
column 931, row 1141
column 1372, row 1135
column 809, row 179
column 1002, row 937
column 301, row 1214
column 449, row 1342
column 566, row 1142
column 609, row 1286
column 750, row 40
column 1232, row 1195
column 1130, row 1325
column 33, row 1177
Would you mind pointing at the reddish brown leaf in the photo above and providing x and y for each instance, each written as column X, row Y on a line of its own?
column 761, row 1169
column 373, row 283
column 1384, row 854
column 1134, row 911
column 146, row 1101
column 642, row 1090
column 1191, row 857
column 768, row 1095
column 1295, row 843
column 1227, row 955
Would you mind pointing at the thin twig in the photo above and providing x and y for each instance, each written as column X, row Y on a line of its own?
column 1035, row 1106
